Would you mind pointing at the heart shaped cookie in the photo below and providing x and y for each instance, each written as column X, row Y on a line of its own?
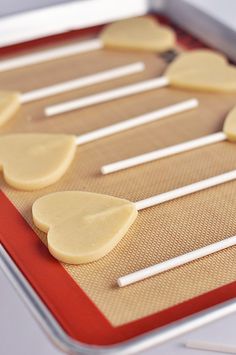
column 82, row 227
column 229, row 127
column 9, row 104
column 141, row 33
column 33, row 161
column 196, row 59
column 202, row 71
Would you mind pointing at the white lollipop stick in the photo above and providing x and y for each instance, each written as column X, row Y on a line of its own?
column 137, row 121
column 186, row 190
column 205, row 345
column 51, row 54
column 162, row 153
column 82, row 82
column 175, row 262
column 107, row 96
column 183, row 259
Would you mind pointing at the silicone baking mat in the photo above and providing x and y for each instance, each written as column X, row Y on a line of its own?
column 159, row 233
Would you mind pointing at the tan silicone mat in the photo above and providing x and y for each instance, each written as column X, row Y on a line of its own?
column 160, row 232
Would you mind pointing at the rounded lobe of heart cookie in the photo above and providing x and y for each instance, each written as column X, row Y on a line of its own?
column 195, row 59
column 9, row 104
column 33, row 161
column 229, row 127
column 211, row 79
column 202, row 70
column 141, row 33
column 82, row 227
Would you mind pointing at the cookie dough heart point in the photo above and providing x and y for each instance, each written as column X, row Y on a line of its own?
column 202, row 70
column 9, row 104
column 229, row 127
column 34, row 161
column 82, row 227
column 142, row 33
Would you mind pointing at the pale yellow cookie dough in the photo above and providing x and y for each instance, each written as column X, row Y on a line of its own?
column 195, row 59
column 202, row 70
column 33, row 161
column 141, row 33
column 82, row 227
column 229, row 127
column 9, row 104
column 212, row 79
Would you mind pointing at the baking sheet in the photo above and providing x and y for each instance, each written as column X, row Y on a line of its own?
column 160, row 232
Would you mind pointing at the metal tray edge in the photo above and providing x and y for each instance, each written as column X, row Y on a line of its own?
column 68, row 345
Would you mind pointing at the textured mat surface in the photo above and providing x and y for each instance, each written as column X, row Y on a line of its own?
column 160, row 232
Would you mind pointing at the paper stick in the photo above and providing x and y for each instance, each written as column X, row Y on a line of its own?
column 162, row 153
column 179, row 74
column 82, row 82
column 51, row 54
column 205, row 345
column 107, row 96
column 137, row 121
column 183, row 259
column 176, row 262
column 186, row 190
column 68, row 142
column 158, row 45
